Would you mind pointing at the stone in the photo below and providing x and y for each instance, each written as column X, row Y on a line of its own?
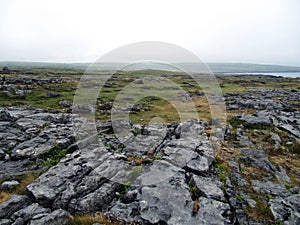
column 9, row 185
column 9, row 168
column 81, row 181
column 261, row 118
column 209, row 187
column 57, row 217
column 257, row 159
column 212, row 212
column 2, row 154
column 52, row 94
column 5, row 116
column 29, row 212
column 13, row 204
column 282, row 175
column 251, row 202
column 19, row 221
column 269, row 187
column 6, row 221
column 65, row 103
column 153, row 201
column 238, row 179
column 198, row 165
column 286, row 209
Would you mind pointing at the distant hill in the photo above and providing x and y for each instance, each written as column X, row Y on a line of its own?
column 251, row 68
column 215, row 67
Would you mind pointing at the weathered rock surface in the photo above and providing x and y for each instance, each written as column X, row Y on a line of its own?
column 90, row 179
column 156, row 174
column 20, row 210
column 273, row 108
column 286, row 209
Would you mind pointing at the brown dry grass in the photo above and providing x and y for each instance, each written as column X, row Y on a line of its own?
column 21, row 188
column 91, row 219
column 4, row 196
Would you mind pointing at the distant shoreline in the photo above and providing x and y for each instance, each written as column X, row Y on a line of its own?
column 277, row 74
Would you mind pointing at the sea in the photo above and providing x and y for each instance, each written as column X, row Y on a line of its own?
column 278, row 74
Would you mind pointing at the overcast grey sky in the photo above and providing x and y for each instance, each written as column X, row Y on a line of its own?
column 254, row 31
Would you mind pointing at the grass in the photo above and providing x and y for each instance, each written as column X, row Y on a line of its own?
column 91, row 219
column 125, row 188
column 52, row 158
column 37, row 97
column 232, row 87
column 262, row 212
column 21, row 188
column 194, row 190
column 222, row 168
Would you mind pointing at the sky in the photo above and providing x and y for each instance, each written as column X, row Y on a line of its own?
column 247, row 31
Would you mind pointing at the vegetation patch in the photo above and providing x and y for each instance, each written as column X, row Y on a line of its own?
column 20, row 189
column 92, row 219
column 53, row 157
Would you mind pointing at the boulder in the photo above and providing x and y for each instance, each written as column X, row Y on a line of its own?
column 9, row 185
column 270, row 188
column 13, row 204
column 57, row 217
column 29, row 212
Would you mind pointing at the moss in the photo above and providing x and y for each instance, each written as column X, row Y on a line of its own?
column 194, row 190
column 239, row 197
column 138, row 169
column 125, row 188
column 52, row 158
column 294, row 147
column 158, row 157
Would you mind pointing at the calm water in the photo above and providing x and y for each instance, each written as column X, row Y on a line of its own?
column 279, row 74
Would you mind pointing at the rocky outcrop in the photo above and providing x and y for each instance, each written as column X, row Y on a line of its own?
column 97, row 179
column 155, row 174
column 20, row 210
column 273, row 108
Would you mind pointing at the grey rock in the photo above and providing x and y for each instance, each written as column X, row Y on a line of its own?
column 277, row 141
column 57, row 217
column 198, row 165
column 153, row 198
column 21, row 94
column 238, row 179
column 291, row 129
column 52, row 94
column 209, row 187
column 257, row 159
column 98, row 200
column 81, row 181
column 251, row 202
column 65, row 103
column 243, row 140
column 212, row 211
column 19, row 221
column 29, row 212
column 9, row 169
column 282, row 175
column 13, row 204
column 9, row 185
column 5, row 116
column 286, row 209
column 261, row 118
column 2, row 154
column 6, row 221
column 269, row 187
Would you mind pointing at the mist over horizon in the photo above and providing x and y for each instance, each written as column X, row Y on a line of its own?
column 260, row 32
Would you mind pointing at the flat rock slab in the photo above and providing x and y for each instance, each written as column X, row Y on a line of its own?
column 270, row 188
